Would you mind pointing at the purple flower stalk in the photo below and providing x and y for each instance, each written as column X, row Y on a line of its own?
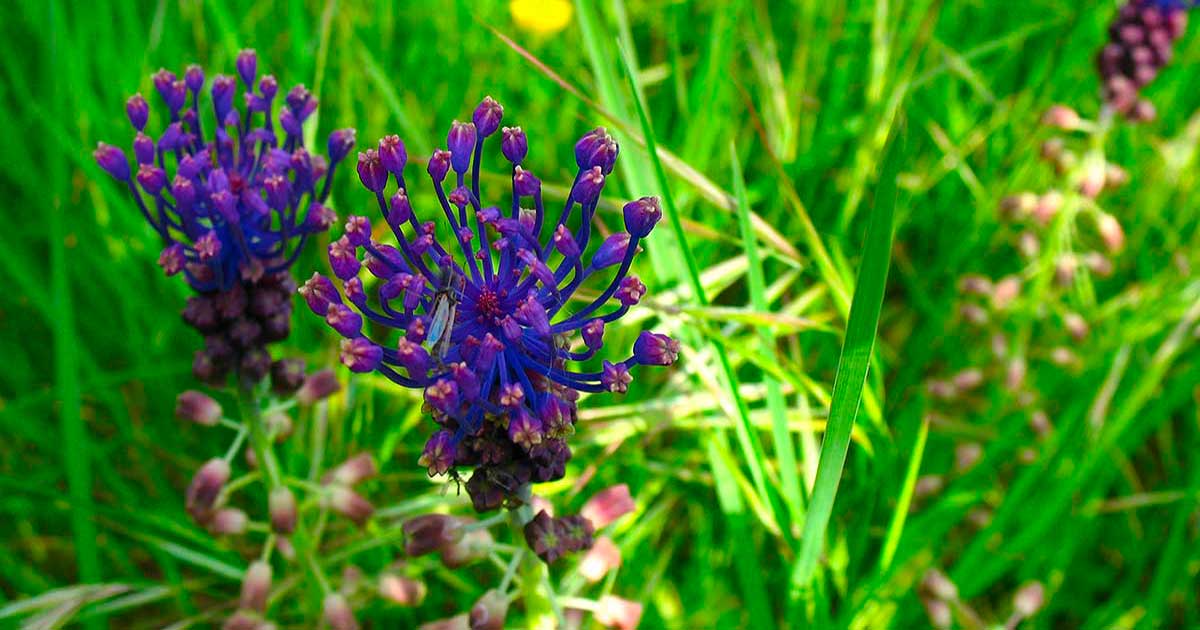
column 234, row 210
column 1141, row 42
column 488, row 329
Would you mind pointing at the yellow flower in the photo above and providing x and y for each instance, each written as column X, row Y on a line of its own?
column 543, row 17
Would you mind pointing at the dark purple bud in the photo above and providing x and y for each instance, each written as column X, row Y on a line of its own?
column 615, row 377
column 193, row 77
column 655, row 349
column 443, row 396
column 162, row 81
column 143, row 149
column 172, row 137
column 113, row 161
column 151, row 178
column 318, row 386
column 524, row 429
column 183, row 191
column 533, row 314
column 459, row 197
column 341, row 142
column 370, row 171
column 256, row 586
column 319, row 217
column 360, row 355
column 281, row 506
column 401, row 210
column 593, row 334
column 354, row 290
column 393, row 155
column 611, row 251
column 641, row 215
column 222, row 95
column 596, row 149
column 138, row 111
column 337, row 613
column 172, row 259
column 543, row 537
column 414, row 358
column 439, row 165
column 278, row 193
column 461, row 142
column 343, row 257
column 439, row 453
column 247, row 66
column 358, row 230
column 631, row 291
column 587, row 189
column 564, row 242
column 344, row 320
column 206, row 486
column 176, row 96
column 287, row 375
column 513, row 144
column 268, row 86
column 254, row 365
column 194, row 406
column 489, row 611
column 487, row 116
column 467, row 380
column 350, row 504
column 319, row 292
column 226, row 205
column 525, row 184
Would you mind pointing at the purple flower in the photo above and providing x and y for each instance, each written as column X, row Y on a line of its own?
column 1141, row 42
column 487, row 327
column 234, row 205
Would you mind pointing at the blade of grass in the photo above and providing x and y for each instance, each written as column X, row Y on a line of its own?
column 896, row 527
column 785, row 451
column 747, row 438
column 749, row 570
column 850, row 378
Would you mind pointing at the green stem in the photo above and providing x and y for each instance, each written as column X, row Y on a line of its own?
column 533, row 577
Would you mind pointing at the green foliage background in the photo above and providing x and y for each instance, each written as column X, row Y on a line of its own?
column 93, row 465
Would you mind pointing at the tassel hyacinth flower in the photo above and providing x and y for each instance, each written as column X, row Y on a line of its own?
column 1141, row 41
column 487, row 326
column 234, row 209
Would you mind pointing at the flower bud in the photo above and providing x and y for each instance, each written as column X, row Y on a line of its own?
column 352, row 471
column 940, row 615
column 138, row 111
column 430, row 532
column 487, row 116
column 461, row 142
column 966, row 456
column 655, row 349
column 641, row 215
column 968, row 379
column 402, row 590
column 937, row 584
column 350, row 504
column 1062, row 117
column 360, row 354
column 370, row 171
column 1005, row 291
column 1047, row 207
column 1029, row 599
column 247, row 66
column 1111, row 232
column 608, row 505
column 1076, row 326
column 1093, row 181
column 393, row 155
column 457, row 622
column 194, row 406
column 337, row 613
column 206, row 486
column 614, row 612
column 341, row 142
column 604, row 556
column 475, row 545
column 281, row 504
column 256, row 585
column 228, row 522
column 318, row 386
column 287, row 375
column 489, row 611
column 242, row 620
column 513, row 144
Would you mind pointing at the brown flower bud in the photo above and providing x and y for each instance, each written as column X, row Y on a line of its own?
column 350, row 504
column 430, row 532
column 337, row 613
column 206, row 486
column 975, row 284
column 473, row 546
column 318, row 386
column 966, row 456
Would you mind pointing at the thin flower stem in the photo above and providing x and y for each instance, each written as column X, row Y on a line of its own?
column 237, row 444
column 511, row 570
column 485, row 523
column 541, row 611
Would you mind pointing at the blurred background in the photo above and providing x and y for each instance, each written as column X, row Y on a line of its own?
column 1029, row 426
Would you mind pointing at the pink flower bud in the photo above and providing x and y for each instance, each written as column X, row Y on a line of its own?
column 1014, row 373
column 1115, row 176
column 337, row 613
column 475, row 545
column 489, row 611
column 1061, row 117
column 350, row 504
column 940, row 616
column 1006, row 290
column 1039, row 421
column 1094, row 178
column 279, row 425
column 401, row 590
column 457, row 622
column 968, row 379
column 604, row 556
column 194, row 406
column 966, row 456
column 281, row 504
column 256, row 585
column 1047, row 207
column 353, row 470
column 608, row 505
column 937, row 584
column 928, row 485
column 614, row 612
column 206, row 486
column 1076, row 326
column 1029, row 599
column 228, row 522
column 1110, row 232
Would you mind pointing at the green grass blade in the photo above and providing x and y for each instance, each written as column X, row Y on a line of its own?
column 747, row 438
column 850, row 379
column 747, row 565
column 896, row 527
column 785, row 450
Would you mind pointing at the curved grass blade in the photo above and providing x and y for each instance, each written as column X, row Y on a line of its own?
column 850, row 380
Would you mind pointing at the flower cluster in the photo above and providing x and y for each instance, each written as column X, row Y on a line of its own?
column 1141, row 39
column 233, row 211
column 487, row 333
